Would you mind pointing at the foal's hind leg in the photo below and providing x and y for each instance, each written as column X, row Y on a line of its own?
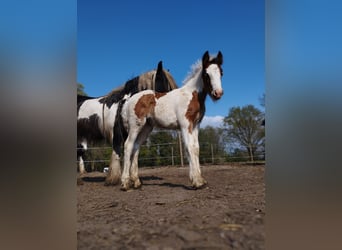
column 114, row 173
column 128, row 158
column 144, row 133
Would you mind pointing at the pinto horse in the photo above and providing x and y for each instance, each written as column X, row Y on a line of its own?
column 181, row 108
column 97, row 118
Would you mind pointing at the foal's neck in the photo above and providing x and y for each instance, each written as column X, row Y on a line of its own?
column 195, row 83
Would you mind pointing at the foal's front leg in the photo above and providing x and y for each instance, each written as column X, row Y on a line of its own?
column 192, row 146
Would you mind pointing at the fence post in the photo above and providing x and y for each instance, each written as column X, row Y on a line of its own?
column 92, row 165
column 212, row 153
column 173, row 163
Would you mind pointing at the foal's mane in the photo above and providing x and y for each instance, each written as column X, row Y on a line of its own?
column 194, row 69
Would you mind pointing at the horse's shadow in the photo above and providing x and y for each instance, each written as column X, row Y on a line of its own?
column 143, row 180
column 164, row 184
column 150, row 178
column 93, row 178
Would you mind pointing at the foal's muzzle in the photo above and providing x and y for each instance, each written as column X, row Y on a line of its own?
column 217, row 94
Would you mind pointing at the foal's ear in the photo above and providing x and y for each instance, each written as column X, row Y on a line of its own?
column 219, row 58
column 160, row 66
column 205, row 59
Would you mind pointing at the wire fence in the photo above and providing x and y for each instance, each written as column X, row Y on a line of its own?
column 170, row 154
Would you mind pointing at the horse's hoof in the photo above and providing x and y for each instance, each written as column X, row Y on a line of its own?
column 79, row 181
column 81, row 175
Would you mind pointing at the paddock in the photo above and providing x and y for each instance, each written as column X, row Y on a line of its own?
column 166, row 213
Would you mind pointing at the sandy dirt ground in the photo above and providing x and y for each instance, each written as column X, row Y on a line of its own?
column 166, row 213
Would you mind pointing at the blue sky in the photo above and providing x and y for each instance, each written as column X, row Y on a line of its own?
column 118, row 40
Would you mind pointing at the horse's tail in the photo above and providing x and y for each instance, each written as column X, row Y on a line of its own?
column 119, row 132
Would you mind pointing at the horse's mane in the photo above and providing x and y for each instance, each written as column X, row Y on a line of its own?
column 173, row 84
column 147, row 74
column 116, row 90
column 195, row 68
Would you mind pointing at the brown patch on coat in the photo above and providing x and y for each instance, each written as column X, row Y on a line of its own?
column 159, row 94
column 145, row 105
column 193, row 111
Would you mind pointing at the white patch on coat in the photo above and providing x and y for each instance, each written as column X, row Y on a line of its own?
column 90, row 107
column 84, row 145
column 93, row 106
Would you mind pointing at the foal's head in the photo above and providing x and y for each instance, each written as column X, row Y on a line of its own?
column 212, row 74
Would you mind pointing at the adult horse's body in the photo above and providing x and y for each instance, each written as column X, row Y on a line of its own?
column 181, row 108
column 98, row 118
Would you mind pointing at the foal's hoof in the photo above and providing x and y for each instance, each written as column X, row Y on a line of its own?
column 125, row 186
column 137, row 184
column 200, row 185
column 111, row 181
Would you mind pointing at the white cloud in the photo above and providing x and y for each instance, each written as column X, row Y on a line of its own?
column 213, row 121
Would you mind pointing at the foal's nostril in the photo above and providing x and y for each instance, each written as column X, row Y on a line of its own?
column 218, row 93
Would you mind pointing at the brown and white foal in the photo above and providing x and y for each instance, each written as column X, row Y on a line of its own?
column 181, row 108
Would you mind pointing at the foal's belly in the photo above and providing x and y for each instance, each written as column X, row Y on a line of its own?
column 165, row 118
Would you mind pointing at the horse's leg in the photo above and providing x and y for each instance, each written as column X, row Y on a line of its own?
column 81, row 165
column 119, row 136
column 114, row 173
column 192, row 148
column 146, row 130
column 82, row 147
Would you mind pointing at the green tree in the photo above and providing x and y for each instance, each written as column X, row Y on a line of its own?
column 98, row 155
column 243, row 126
column 211, row 144
column 80, row 89
column 157, row 151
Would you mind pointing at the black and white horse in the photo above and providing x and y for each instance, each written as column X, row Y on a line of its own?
column 97, row 118
column 182, row 108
